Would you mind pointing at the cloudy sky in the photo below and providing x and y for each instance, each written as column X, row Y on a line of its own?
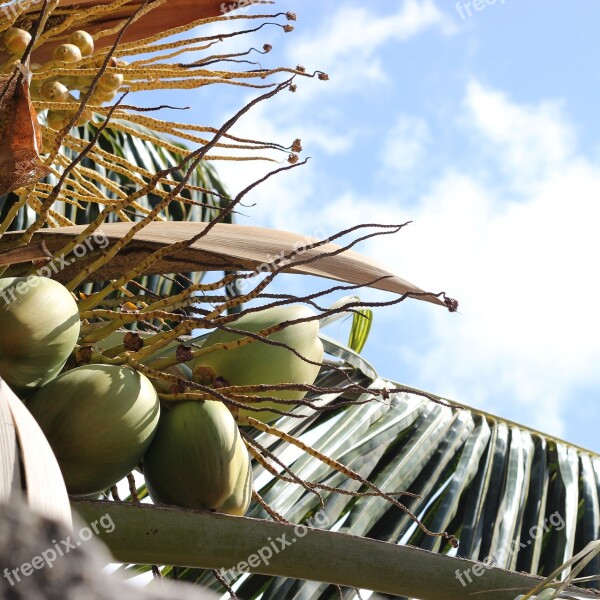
column 482, row 130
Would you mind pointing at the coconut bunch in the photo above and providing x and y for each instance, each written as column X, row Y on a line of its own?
column 132, row 349
column 104, row 420
column 177, row 411
column 254, row 366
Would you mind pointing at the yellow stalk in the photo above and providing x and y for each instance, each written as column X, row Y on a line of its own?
column 72, row 19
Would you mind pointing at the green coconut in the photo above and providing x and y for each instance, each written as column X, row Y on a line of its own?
column 99, row 420
column 260, row 363
column 239, row 500
column 39, row 326
column 199, row 460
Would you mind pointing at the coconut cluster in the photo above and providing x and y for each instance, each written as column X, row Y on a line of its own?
column 75, row 55
column 104, row 420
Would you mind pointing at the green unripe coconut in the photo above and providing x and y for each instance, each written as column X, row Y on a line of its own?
column 239, row 501
column 16, row 40
column 99, row 420
column 83, row 40
column 54, row 91
column 260, row 363
column 67, row 53
column 39, row 326
column 199, row 460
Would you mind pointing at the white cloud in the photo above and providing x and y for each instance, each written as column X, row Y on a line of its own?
column 524, row 269
column 524, row 273
column 517, row 248
column 530, row 141
column 346, row 45
column 406, row 143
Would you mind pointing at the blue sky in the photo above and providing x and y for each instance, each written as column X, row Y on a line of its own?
column 484, row 132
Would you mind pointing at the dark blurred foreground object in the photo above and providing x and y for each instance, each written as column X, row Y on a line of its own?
column 28, row 540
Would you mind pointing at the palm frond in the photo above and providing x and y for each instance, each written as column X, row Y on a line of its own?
column 510, row 494
column 228, row 544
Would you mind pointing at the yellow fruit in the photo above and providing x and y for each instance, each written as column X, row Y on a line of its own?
column 260, row 363
column 112, row 61
column 57, row 119
column 67, row 53
column 16, row 40
column 39, row 326
column 99, row 420
column 100, row 97
column 199, row 460
column 83, row 40
column 110, row 82
column 54, row 91
column 85, row 117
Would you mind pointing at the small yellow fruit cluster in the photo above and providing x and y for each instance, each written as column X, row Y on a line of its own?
column 76, row 53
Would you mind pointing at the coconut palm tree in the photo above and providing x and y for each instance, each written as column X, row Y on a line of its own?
column 369, row 484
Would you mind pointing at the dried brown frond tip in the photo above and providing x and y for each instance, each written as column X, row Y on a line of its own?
column 290, row 16
column 203, row 375
column 301, row 69
column 323, row 77
column 184, row 353
column 288, row 28
column 293, row 87
column 177, row 388
column 133, row 341
column 297, row 145
column 267, row 47
column 293, row 159
column 83, row 355
column 451, row 303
